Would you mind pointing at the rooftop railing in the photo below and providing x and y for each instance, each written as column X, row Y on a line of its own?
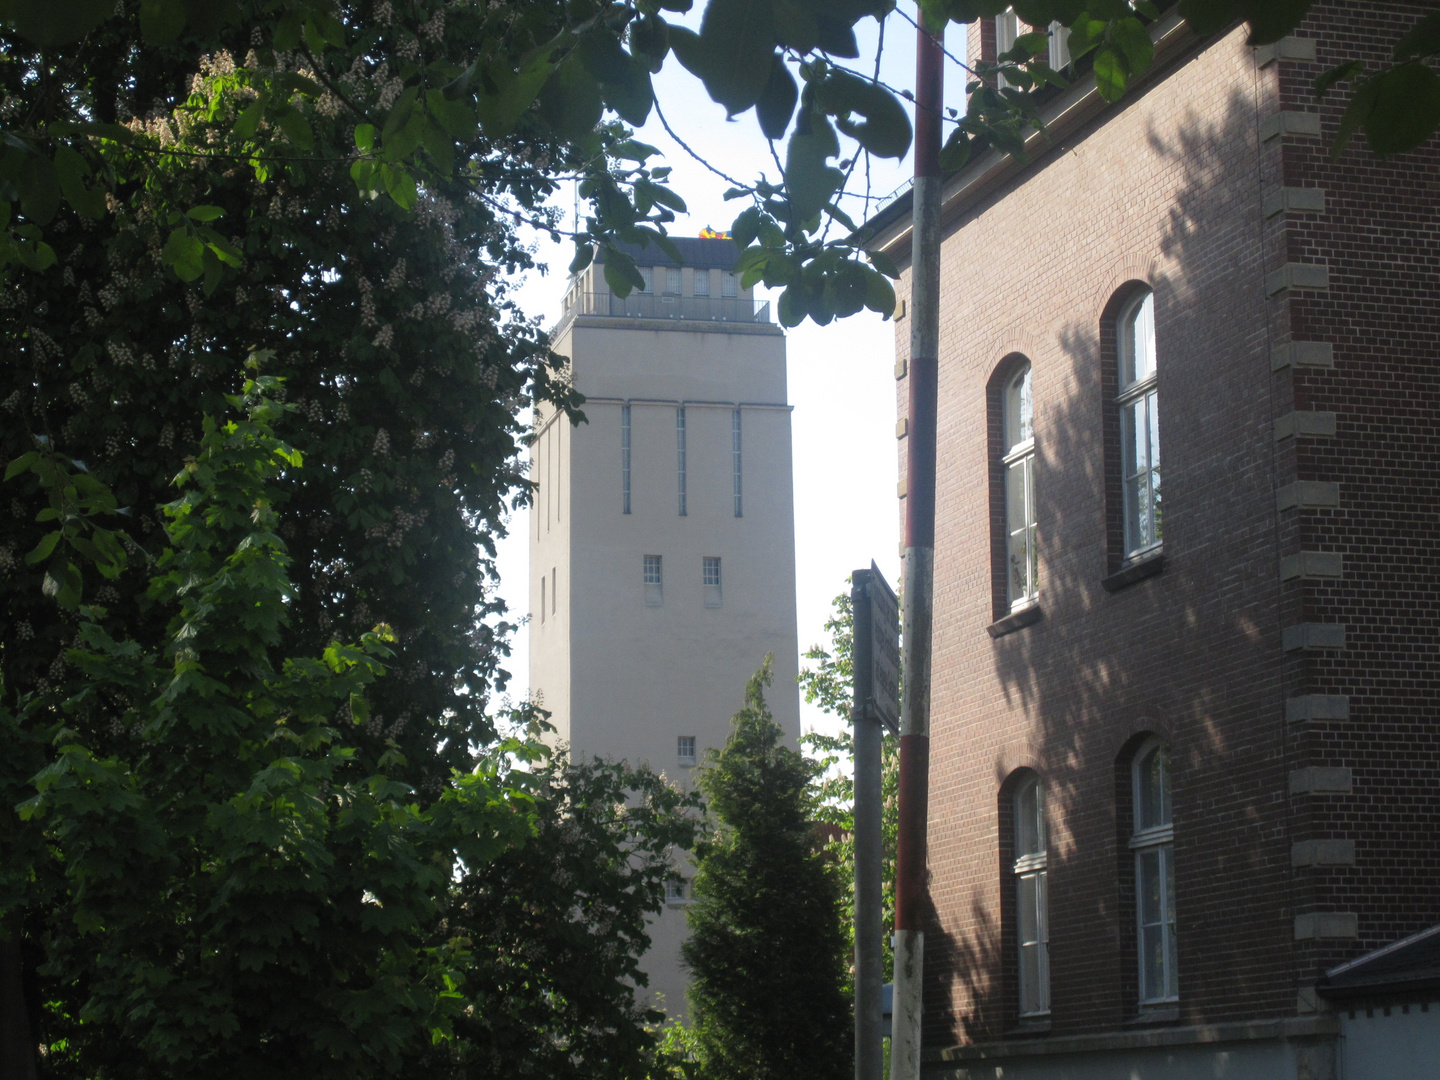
column 668, row 306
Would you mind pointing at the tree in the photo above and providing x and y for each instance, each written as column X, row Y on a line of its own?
column 766, row 951
column 830, row 685
column 217, row 880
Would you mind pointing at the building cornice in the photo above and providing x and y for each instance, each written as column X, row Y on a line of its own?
column 686, row 326
column 1060, row 117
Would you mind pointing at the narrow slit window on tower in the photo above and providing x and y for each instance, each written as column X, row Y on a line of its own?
column 554, row 588
column 735, row 460
column 680, row 454
column 653, row 581
column 542, row 598
column 625, row 459
column 710, row 575
column 1032, row 914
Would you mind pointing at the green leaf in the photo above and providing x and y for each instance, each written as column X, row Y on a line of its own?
column 185, row 253
column 570, row 100
column 809, row 179
column 43, row 550
column 365, row 137
column 399, row 185
column 621, row 274
column 214, row 272
column 777, row 103
column 886, row 130
column 879, row 293
column 248, row 122
column 204, row 213
column 1362, row 104
column 296, row 128
column 738, row 39
column 1406, row 109
column 499, row 112
column 1270, row 20
column 1134, row 41
column 883, row 263
column 1109, row 74
column 584, row 256
column 54, row 22
column 161, row 20
column 1337, row 74
column 1423, row 40
column 21, row 464
column 39, row 189
column 72, row 169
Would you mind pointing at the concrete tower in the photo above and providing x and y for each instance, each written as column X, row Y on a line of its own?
column 662, row 534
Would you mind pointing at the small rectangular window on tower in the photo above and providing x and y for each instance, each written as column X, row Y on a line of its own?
column 680, row 455
column 702, row 283
column 735, row 459
column 653, row 582
column 729, row 284
column 677, row 892
column 711, row 576
column 625, row 459
column 672, row 280
column 685, row 749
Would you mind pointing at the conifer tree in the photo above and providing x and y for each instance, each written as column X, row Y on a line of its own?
column 767, row 951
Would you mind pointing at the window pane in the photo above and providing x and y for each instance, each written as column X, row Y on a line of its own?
column 672, row 280
column 1029, row 819
column 1172, row 981
column 648, row 274
column 1137, row 342
column 702, row 282
column 729, row 283
column 1019, row 410
column 1153, row 789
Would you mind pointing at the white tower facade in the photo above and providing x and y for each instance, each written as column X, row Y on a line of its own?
column 662, row 534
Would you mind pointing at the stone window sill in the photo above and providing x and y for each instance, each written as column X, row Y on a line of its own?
column 1148, row 565
column 1029, row 1027
column 1016, row 620
column 1160, row 1014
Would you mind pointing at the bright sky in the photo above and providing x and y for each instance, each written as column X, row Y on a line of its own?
column 841, row 376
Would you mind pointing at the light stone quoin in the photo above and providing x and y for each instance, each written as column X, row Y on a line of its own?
column 640, row 653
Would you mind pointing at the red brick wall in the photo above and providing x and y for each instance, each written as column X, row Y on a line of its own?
column 1168, row 190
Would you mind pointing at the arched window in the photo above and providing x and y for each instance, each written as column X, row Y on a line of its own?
column 1139, row 425
column 1032, row 922
column 1153, row 842
column 1021, row 559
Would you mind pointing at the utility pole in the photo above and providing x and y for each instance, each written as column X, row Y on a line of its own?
column 875, row 663
column 919, row 583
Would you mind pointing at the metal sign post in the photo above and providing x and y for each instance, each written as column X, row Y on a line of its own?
column 875, row 661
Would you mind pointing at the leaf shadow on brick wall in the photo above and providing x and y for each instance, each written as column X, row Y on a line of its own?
column 1187, row 654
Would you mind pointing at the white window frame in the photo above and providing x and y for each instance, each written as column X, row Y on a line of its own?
column 1059, row 46
column 1018, row 467
column 1031, row 869
column 700, row 282
column 1154, row 840
column 729, row 285
column 1138, row 402
column 677, row 893
column 710, row 579
column 647, row 273
column 685, row 750
column 672, row 280
column 1007, row 30
column 654, row 578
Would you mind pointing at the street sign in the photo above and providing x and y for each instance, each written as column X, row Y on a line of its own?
column 884, row 650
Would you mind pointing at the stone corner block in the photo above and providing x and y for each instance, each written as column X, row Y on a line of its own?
column 1313, row 636
column 1316, row 354
column 1320, row 780
column 1323, row 853
column 1326, row 924
column 1317, row 707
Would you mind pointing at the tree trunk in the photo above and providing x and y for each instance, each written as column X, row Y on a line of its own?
column 17, row 1046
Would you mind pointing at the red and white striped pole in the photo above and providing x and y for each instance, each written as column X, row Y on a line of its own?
column 919, row 558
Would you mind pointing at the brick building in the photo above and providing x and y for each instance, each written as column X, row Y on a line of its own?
column 1184, row 781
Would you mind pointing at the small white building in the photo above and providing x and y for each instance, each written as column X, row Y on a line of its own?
column 662, row 533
